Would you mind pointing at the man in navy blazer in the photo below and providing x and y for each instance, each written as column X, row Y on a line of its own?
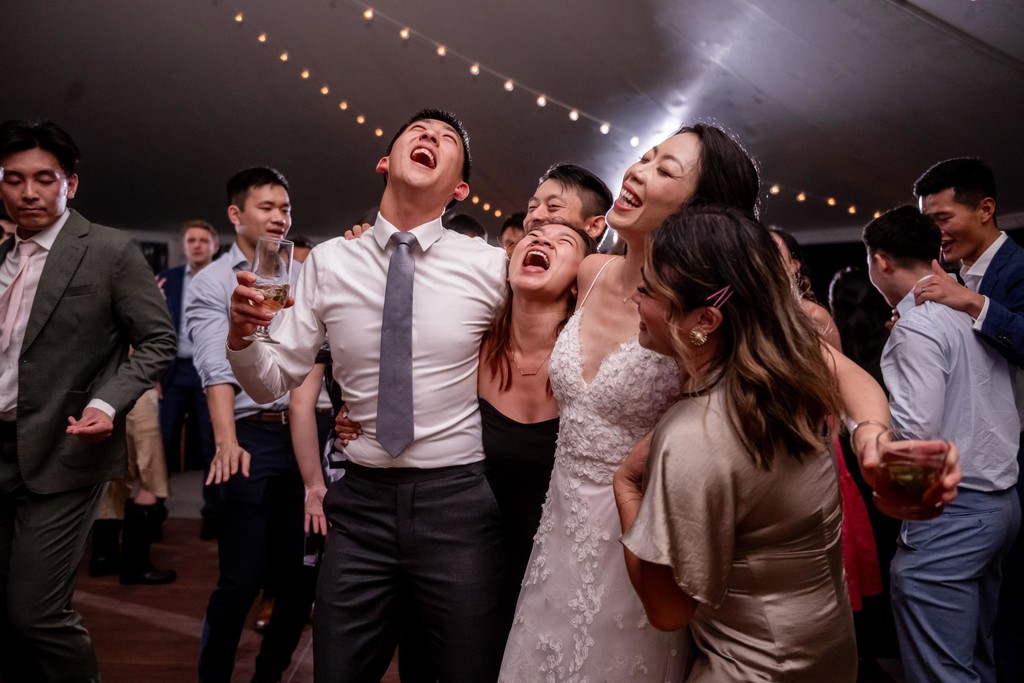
column 81, row 295
column 960, row 195
column 182, row 399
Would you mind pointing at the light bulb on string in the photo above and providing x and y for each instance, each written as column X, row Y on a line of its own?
column 378, row 132
column 343, row 105
column 284, row 57
column 475, row 69
column 802, row 197
column 476, row 199
column 262, row 37
column 441, row 50
column 404, row 33
column 509, row 85
column 542, row 101
column 497, row 213
column 304, row 74
column 368, row 14
column 852, row 210
column 486, row 207
column 634, row 141
column 324, row 90
column 360, row 119
column 831, row 201
column 239, row 18
column 775, row 189
column 605, row 128
column 574, row 115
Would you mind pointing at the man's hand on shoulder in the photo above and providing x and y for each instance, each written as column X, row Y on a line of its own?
column 943, row 289
column 357, row 231
column 94, row 426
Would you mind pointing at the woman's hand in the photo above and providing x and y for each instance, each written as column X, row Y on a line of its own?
column 346, row 429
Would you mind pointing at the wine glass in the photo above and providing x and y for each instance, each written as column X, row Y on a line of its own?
column 272, row 266
column 908, row 482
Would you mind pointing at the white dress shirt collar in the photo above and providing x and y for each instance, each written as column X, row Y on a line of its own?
column 426, row 234
column 972, row 275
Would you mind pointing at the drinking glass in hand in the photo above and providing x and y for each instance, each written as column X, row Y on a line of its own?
column 908, row 481
column 272, row 266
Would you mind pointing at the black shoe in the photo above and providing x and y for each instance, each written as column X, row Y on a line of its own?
column 105, row 558
column 136, row 567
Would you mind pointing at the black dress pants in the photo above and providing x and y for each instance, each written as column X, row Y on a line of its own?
column 418, row 546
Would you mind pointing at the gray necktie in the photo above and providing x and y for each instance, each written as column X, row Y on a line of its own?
column 394, row 395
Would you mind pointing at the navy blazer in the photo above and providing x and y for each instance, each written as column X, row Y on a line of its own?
column 174, row 290
column 1003, row 284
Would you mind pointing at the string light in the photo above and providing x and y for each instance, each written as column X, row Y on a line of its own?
column 574, row 115
column 877, row 214
column 475, row 69
column 542, row 101
column 777, row 189
column 605, row 128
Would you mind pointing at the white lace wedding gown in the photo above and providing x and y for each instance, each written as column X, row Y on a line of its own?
column 578, row 618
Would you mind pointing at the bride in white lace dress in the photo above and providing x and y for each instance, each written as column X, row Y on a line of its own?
column 578, row 618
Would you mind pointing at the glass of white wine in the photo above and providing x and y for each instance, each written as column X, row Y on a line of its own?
column 272, row 267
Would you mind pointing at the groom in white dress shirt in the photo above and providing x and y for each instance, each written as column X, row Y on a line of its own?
column 414, row 538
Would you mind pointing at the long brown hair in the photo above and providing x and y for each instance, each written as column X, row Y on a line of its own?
column 779, row 389
column 497, row 341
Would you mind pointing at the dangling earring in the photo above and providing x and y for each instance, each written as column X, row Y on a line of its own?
column 698, row 337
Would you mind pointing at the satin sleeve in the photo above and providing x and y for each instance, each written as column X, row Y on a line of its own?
column 688, row 517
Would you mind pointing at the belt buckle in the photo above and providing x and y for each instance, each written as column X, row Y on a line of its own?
column 284, row 417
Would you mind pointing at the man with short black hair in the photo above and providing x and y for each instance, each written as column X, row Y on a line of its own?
column 576, row 195
column 259, row 514
column 945, row 383
column 74, row 296
column 960, row 194
column 415, row 534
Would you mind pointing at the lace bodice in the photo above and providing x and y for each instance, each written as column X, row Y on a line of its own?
column 578, row 619
column 603, row 420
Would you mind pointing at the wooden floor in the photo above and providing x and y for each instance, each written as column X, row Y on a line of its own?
column 150, row 634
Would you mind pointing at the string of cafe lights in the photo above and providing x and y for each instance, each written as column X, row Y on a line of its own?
column 801, row 196
column 476, row 69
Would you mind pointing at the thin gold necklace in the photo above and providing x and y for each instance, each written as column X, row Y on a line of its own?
column 531, row 374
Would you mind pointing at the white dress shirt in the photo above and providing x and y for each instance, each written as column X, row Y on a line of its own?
column 458, row 286
column 946, row 383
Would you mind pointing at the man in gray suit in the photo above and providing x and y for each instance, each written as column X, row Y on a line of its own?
column 73, row 297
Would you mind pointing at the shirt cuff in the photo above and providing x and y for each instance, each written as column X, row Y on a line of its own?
column 243, row 358
column 99, row 404
column 980, row 322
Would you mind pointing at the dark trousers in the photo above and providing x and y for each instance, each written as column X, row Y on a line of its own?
column 410, row 546
column 260, row 542
column 1009, row 633
column 183, row 405
column 42, row 539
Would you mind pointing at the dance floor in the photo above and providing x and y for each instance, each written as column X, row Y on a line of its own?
column 150, row 634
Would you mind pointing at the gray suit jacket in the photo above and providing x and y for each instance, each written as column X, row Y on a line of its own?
column 96, row 296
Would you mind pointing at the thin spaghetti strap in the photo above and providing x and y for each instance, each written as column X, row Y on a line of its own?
column 596, row 278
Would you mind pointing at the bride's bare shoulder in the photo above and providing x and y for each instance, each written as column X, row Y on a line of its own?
column 590, row 267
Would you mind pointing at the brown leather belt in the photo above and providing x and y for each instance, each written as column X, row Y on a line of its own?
column 267, row 417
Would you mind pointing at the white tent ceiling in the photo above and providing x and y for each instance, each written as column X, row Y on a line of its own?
column 849, row 99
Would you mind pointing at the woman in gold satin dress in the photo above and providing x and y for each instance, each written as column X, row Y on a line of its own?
column 734, row 524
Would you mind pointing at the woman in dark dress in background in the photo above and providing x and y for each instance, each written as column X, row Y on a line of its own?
column 518, row 410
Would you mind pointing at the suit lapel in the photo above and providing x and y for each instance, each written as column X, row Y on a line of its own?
column 61, row 264
column 999, row 261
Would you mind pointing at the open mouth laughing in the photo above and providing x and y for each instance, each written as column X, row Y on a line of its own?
column 424, row 157
column 536, row 259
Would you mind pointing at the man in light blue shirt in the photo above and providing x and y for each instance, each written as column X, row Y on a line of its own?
column 946, row 383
